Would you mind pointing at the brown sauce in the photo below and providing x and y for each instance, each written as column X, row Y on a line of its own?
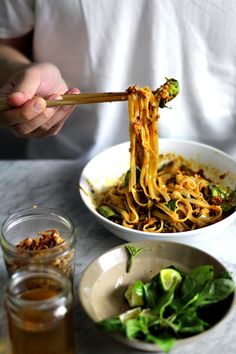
column 41, row 332
column 38, row 294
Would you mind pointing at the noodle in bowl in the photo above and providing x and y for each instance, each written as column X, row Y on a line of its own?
column 104, row 170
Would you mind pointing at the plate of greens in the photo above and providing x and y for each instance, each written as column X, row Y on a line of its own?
column 155, row 295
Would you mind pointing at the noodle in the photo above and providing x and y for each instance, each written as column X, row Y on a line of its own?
column 154, row 195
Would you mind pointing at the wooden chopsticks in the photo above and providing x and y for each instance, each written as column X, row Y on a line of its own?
column 82, row 98
column 85, row 98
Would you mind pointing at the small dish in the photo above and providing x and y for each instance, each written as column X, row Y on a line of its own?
column 103, row 283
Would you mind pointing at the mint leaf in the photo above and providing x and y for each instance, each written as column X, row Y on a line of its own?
column 218, row 290
column 191, row 323
column 195, row 281
column 133, row 252
column 133, row 328
column 165, row 341
column 112, row 325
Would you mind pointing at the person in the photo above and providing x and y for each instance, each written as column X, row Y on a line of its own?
column 52, row 47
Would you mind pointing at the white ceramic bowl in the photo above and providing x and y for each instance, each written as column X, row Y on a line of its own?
column 101, row 287
column 105, row 168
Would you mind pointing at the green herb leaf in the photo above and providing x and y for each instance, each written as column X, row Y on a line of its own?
column 171, row 205
column 127, row 176
column 108, row 212
column 165, row 341
column 151, row 294
column 191, row 323
column 133, row 328
column 218, row 290
column 230, row 202
column 195, row 281
column 133, row 252
column 112, row 325
column 164, row 301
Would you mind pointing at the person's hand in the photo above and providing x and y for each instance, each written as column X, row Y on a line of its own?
column 29, row 116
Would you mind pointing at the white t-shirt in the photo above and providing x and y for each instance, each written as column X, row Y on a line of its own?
column 108, row 45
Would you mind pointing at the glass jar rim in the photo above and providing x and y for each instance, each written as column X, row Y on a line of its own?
column 30, row 213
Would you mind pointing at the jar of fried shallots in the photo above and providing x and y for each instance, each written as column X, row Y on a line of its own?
column 39, row 312
column 41, row 236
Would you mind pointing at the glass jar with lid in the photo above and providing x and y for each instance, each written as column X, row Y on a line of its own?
column 39, row 310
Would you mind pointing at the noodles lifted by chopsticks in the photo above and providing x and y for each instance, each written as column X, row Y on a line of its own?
column 153, row 195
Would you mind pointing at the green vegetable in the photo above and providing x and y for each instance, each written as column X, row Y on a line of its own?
column 132, row 252
column 215, row 291
column 225, row 197
column 191, row 323
column 217, row 191
column 150, row 292
column 196, row 281
column 165, row 341
column 168, row 91
column 108, row 212
column 112, row 325
column 172, row 205
column 135, row 294
column 127, row 176
column 173, row 305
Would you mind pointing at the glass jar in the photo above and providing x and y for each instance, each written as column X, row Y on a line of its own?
column 56, row 249
column 39, row 311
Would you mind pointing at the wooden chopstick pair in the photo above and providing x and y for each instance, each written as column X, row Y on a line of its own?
column 72, row 99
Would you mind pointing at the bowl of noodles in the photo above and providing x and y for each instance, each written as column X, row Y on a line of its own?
column 196, row 177
column 166, row 189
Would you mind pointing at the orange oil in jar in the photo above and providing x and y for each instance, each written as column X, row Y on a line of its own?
column 40, row 313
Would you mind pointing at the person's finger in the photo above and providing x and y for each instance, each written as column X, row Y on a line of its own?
column 23, row 114
column 17, row 99
column 54, row 124
column 73, row 91
column 42, row 123
column 52, row 131
column 42, row 120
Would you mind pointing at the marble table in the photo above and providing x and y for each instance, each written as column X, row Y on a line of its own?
column 54, row 183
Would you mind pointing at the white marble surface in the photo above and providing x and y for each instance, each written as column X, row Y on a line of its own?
column 55, row 184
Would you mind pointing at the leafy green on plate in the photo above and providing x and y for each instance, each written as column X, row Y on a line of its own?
column 172, row 305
